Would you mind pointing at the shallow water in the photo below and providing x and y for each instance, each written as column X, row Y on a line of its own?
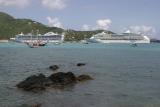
column 124, row 76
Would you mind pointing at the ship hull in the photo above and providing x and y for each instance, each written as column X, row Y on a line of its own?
column 118, row 41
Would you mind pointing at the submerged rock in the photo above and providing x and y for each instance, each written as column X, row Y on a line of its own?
column 36, row 105
column 33, row 105
column 81, row 64
column 39, row 82
column 62, row 78
column 54, row 67
column 84, row 78
column 33, row 83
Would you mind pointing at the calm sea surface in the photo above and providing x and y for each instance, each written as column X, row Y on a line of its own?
column 124, row 76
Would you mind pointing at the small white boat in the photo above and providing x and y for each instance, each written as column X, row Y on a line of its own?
column 84, row 41
column 36, row 44
column 134, row 45
column 32, row 45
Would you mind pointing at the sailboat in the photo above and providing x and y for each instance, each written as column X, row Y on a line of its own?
column 36, row 42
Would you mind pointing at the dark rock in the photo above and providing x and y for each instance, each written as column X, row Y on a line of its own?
column 36, row 83
column 33, row 105
column 84, row 78
column 23, row 105
column 54, row 67
column 62, row 78
column 36, row 105
column 81, row 64
column 33, row 83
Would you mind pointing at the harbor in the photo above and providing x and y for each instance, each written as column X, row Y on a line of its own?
column 79, row 53
column 121, row 75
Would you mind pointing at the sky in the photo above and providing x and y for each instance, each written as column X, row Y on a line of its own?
column 137, row 16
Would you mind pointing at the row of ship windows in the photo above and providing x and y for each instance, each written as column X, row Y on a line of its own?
column 39, row 39
column 121, row 39
column 125, row 38
column 40, row 36
column 29, row 37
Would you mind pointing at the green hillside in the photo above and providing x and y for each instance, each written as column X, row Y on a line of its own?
column 72, row 35
column 10, row 26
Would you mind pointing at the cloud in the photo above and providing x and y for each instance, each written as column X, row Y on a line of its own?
column 14, row 3
column 142, row 29
column 54, row 4
column 86, row 27
column 102, row 24
column 54, row 22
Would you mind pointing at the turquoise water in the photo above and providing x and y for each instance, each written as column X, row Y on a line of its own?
column 124, row 76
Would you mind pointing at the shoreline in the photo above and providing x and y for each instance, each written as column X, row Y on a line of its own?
column 3, row 41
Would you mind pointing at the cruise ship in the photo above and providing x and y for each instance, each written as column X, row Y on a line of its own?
column 48, row 37
column 126, row 37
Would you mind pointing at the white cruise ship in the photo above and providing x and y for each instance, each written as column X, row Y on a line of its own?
column 48, row 37
column 119, row 38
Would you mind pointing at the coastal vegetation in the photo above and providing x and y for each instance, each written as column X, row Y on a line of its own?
column 10, row 26
column 72, row 35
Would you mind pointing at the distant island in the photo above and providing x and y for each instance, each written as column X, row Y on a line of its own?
column 10, row 26
column 153, row 40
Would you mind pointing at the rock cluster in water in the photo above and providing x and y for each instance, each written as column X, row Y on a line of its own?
column 54, row 67
column 81, row 64
column 33, row 105
column 60, row 79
